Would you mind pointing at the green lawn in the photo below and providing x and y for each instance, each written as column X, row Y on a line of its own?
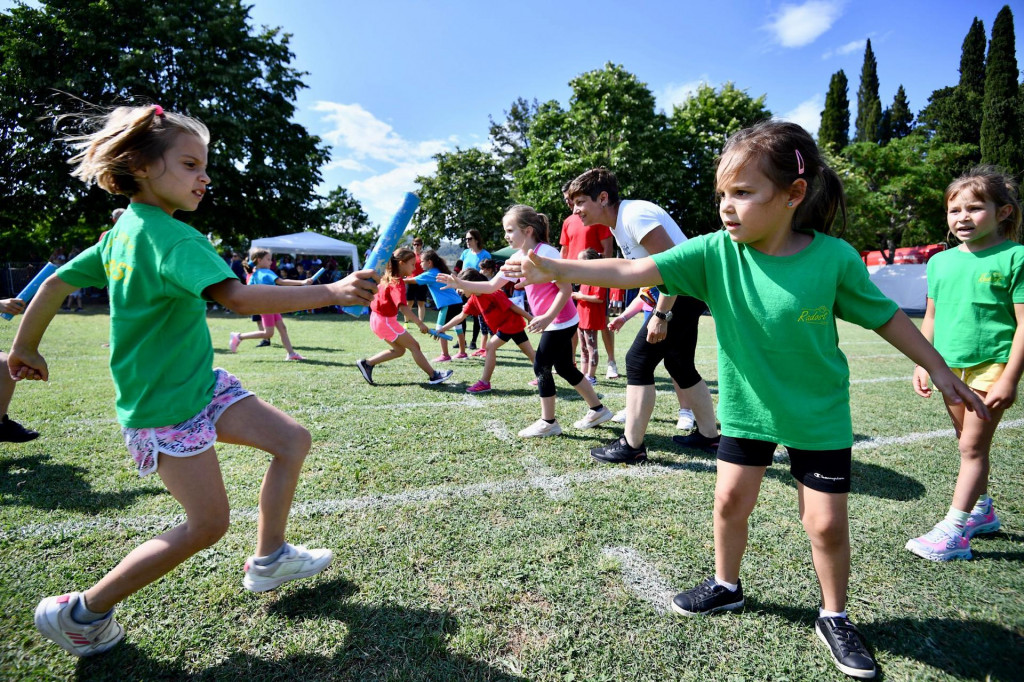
column 462, row 552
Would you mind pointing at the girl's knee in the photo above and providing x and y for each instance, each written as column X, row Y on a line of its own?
column 826, row 529
column 732, row 505
column 207, row 530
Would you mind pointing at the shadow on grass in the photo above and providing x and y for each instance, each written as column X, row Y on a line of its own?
column 383, row 642
column 35, row 482
column 967, row 649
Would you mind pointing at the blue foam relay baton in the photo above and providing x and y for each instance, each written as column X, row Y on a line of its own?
column 386, row 242
column 319, row 272
column 440, row 335
column 32, row 287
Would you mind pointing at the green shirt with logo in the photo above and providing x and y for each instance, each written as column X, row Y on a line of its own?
column 155, row 269
column 781, row 375
column 974, row 295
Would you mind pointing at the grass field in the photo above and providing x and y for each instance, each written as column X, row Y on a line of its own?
column 462, row 552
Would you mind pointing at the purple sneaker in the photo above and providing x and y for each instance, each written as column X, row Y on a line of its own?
column 941, row 543
column 983, row 520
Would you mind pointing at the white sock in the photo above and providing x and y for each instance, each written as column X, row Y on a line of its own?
column 732, row 587
column 825, row 613
column 981, row 506
column 957, row 518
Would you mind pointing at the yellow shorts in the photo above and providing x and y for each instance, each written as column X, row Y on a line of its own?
column 980, row 377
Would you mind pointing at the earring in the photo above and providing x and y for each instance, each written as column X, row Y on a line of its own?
column 790, row 204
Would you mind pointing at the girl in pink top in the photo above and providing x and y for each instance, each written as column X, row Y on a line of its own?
column 554, row 315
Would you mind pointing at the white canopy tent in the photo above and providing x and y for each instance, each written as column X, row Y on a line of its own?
column 905, row 284
column 311, row 244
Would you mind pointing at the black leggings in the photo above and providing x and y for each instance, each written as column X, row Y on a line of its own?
column 676, row 349
column 555, row 351
column 479, row 326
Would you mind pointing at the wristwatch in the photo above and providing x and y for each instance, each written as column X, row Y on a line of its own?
column 663, row 316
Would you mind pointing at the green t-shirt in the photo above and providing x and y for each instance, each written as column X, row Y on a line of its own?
column 781, row 375
column 974, row 295
column 155, row 269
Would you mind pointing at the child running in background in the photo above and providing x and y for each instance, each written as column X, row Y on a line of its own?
column 974, row 316
column 258, row 267
column 500, row 314
column 773, row 279
column 389, row 301
column 488, row 270
column 172, row 403
column 554, row 316
column 592, row 306
column 447, row 301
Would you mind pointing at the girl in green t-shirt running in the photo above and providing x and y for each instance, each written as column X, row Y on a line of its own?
column 974, row 314
column 775, row 282
column 172, row 404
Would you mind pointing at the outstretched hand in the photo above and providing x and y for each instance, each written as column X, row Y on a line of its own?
column 447, row 280
column 356, row 289
column 531, row 269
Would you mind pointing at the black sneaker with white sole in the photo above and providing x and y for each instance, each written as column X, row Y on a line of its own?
column 366, row 369
column 846, row 645
column 619, row 451
column 440, row 375
column 708, row 597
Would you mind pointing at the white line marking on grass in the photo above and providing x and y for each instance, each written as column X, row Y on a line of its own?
column 543, row 477
column 642, row 578
column 880, row 380
column 497, row 428
column 434, row 494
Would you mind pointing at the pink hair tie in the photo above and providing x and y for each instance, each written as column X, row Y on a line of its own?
column 159, row 111
column 799, row 162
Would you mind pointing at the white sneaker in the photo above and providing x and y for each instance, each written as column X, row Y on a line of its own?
column 594, row 418
column 620, row 416
column 686, row 421
column 541, row 429
column 295, row 562
column 613, row 371
column 54, row 621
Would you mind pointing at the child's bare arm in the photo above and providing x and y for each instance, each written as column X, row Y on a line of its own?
column 606, row 272
column 454, row 322
column 24, row 360
column 356, row 289
column 406, row 310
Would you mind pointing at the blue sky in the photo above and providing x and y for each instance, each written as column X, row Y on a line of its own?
column 391, row 83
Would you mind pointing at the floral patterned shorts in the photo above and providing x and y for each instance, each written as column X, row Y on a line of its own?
column 191, row 436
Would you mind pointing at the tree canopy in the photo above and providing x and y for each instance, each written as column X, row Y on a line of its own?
column 202, row 58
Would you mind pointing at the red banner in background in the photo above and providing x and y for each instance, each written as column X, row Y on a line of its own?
column 908, row 254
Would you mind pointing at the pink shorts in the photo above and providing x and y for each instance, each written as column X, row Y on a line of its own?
column 270, row 321
column 386, row 328
column 190, row 437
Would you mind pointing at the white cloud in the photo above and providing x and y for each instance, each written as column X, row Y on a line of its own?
column 799, row 25
column 381, row 195
column 363, row 136
column 848, row 48
column 807, row 114
column 677, row 93
column 347, row 164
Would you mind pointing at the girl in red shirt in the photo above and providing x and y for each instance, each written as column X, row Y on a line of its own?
column 384, row 309
column 592, row 306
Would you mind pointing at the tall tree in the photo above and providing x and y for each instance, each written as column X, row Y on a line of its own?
column 869, row 106
column 699, row 128
column 953, row 114
column 510, row 141
column 345, row 219
column 468, row 190
column 199, row 57
column 901, row 120
column 1001, row 142
column 972, row 59
column 611, row 121
column 834, row 132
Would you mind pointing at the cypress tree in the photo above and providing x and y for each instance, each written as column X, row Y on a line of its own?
column 1000, row 126
column 972, row 59
column 834, row 132
column 900, row 120
column 869, row 107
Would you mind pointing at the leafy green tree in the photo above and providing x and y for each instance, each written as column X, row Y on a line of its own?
column 699, row 128
column 834, row 132
column 1001, row 142
column 612, row 122
column 953, row 114
column 869, row 106
column 345, row 219
column 894, row 192
column 468, row 190
column 200, row 57
column 510, row 141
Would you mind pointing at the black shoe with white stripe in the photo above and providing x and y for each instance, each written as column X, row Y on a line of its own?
column 708, row 597
column 849, row 651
